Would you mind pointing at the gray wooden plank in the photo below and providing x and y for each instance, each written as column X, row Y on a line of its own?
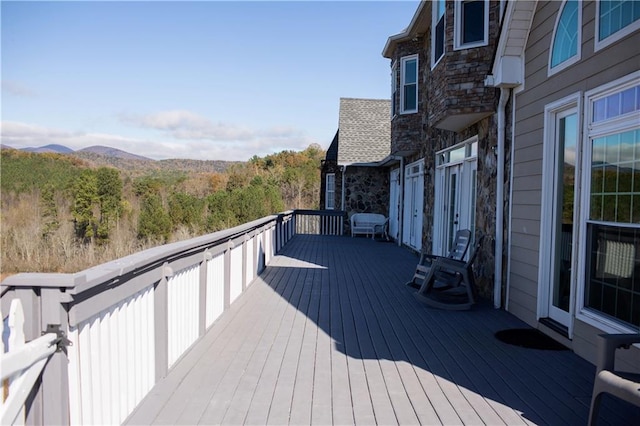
column 329, row 334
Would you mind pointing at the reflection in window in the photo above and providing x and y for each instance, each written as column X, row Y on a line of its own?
column 472, row 21
column 565, row 40
column 439, row 7
column 613, row 285
column 330, row 191
column 617, row 104
column 615, row 178
column 409, row 83
column 616, row 15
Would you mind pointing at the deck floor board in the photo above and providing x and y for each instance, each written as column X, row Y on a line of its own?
column 329, row 334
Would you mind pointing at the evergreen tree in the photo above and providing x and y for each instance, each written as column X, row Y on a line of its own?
column 85, row 197
column 109, row 188
column 49, row 211
column 154, row 222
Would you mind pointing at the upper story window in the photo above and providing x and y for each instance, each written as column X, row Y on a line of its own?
column 615, row 20
column 409, row 84
column 566, row 36
column 437, row 37
column 394, row 89
column 472, row 24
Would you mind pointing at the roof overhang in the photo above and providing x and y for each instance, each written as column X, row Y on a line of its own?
column 418, row 26
column 457, row 122
column 508, row 65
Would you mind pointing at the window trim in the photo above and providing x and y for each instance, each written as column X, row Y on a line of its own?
column 457, row 33
column 573, row 59
column 394, row 89
column 612, row 38
column 552, row 112
column 590, row 131
column 403, row 62
column 434, row 22
column 332, row 192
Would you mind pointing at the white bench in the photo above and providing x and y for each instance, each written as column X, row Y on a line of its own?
column 369, row 223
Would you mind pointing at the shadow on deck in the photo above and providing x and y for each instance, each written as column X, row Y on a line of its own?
column 329, row 334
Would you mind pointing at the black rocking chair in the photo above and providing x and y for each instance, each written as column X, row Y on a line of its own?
column 459, row 249
column 450, row 283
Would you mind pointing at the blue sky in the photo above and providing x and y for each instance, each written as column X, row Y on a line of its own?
column 205, row 80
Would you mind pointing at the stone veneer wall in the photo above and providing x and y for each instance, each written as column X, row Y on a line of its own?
column 457, row 85
column 486, row 130
column 406, row 128
column 367, row 190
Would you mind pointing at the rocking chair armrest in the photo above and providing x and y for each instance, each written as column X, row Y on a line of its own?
column 452, row 264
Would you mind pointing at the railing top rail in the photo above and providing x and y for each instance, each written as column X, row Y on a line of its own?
column 321, row 212
column 84, row 280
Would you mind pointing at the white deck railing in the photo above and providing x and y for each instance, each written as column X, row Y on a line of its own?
column 130, row 320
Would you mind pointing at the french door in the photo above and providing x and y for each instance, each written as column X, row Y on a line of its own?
column 455, row 198
column 413, row 205
column 394, row 203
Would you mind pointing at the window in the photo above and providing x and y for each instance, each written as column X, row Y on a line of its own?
column 330, row 192
column 472, row 23
column 615, row 20
column 437, row 37
column 409, row 84
column 566, row 37
column 394, row 88
column 612, row 285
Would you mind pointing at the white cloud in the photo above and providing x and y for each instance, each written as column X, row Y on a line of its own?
column 16, row 88
column 196, row 146
column 188, row 125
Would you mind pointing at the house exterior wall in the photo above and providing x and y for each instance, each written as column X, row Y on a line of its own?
column 457, row 84
column 454, row 88
column 591, row 71
column 406, row 129
column 366, row 190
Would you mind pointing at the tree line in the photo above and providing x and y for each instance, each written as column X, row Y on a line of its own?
column 60, row 214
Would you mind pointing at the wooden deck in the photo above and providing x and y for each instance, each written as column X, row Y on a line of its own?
column 329, row 334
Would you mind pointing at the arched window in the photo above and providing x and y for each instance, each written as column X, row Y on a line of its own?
column 566, row 37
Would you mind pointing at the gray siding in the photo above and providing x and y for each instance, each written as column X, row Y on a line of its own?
column 592, row 71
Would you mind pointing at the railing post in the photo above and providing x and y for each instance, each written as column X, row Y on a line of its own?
column 202, row 296
column 161, row 314
column 55, row 376
column 32, row 329
column 227, row 276
column 244, row 263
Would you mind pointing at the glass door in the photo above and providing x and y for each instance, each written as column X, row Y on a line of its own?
column 562, row 232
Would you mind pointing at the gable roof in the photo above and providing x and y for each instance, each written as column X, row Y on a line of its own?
column 364, row 130
column 332, row 151
column 419, row 25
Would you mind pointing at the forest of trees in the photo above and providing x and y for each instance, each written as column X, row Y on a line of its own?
column 60, row 213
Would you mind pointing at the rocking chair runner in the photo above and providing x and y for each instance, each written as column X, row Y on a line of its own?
column 459, row 249
column 450, row 283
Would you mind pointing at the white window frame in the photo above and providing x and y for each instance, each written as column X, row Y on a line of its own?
column 618, row 35
column 434, row 23
column 591, row 131
column 573, row 59
column 330, row 194
column 457, row 34
column 549, row 168
column 394, row 89
column 403, row 62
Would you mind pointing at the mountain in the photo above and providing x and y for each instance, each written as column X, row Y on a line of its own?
column 113, row 152
column 59, row 149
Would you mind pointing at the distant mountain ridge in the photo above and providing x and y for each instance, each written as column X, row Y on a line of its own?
column 136, row 164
